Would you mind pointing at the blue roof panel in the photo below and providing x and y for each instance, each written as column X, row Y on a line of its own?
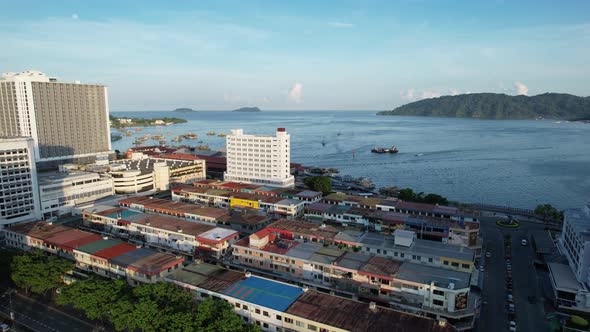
column 264, row 292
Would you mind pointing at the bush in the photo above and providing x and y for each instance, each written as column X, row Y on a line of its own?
column 319, row 183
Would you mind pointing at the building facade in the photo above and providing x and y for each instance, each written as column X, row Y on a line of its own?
column 574, row 242
column 67, row 121
column 19, row 196
column 60, row 192
column 259, row 159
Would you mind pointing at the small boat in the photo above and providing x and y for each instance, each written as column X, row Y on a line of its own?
column 190, row 136
column 392, row 149
column 203, row 147
column 177, row 139
column 138, row 129
column 222, row 134
column 210, row 133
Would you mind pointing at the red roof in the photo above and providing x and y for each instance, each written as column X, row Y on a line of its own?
column 72, row 239
column 115, row 251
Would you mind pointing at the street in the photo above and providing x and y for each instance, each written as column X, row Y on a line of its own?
column 529, row 317
column 35, row 316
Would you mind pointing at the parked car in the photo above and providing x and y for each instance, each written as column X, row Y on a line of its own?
column 488, row 254
column 4, row 327
column 523, row 242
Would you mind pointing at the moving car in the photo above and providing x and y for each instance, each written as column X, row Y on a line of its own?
column 523, row 242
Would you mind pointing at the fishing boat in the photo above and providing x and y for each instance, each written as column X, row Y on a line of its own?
column 177, row 139
column 222, row 134
column 210, row 133
column 203, row 147
column 190, row 136
column 392, row 149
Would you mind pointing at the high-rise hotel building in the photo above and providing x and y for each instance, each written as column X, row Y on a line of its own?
column 69, row 122
column 19, row 198
column 261, row 160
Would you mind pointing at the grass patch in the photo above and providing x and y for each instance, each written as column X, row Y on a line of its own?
column 508, row 224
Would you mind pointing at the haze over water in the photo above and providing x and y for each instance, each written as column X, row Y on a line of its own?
column 516, row 163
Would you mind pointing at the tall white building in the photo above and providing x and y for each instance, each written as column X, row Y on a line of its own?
column 575, row 242
column 261, row 160
column 19, row 197
column 67, row 121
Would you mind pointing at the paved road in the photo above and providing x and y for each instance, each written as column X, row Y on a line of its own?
column 530, row 317
column 39, row 317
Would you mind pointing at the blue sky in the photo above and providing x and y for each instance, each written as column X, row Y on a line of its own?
column 289, row 55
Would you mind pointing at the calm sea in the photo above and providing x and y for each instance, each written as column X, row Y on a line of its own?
column 516, row 163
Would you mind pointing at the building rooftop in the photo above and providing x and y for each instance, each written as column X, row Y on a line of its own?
column 72, row 239
column 59, row 178
column 564, row 277
column 106, row 248
column 426, row 274
column 131, row 256
column 309, row 194
column 154, row 263
column 297, row 228
column 357, row 316
column 171, row 224
column 207, row 276
column 264, row 292
column 427, row 247
column 218, row 234
column 245, row 219
column 170, row 207
column 38, row 229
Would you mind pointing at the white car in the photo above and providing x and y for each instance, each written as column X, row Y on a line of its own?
column 523, row 242
column 488, row 254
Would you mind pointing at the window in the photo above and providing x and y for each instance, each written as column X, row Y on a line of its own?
column 300, row 324
column 438, row 302
column 446, row 262
column 455, row 264
column 279, row 317
column 265, row 325
column 465, row 266
column 288, row 320
column 265, row 313
column 257, row 311
column 312, row 327
column 245, row 307
column 438, row 292
column 237, row 305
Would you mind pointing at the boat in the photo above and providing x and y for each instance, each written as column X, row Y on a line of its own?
column 203, row 147
column 222, row 134
column 163, row 142
column 392, row 149
column 190, row 136
column 138, row 129
column 210, row 133
column 177, row 139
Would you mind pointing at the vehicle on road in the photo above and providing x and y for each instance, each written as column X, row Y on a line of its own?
column 523, row 242
column 4, row 327
column 488, row 254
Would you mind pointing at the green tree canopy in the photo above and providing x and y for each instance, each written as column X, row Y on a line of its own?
column 39, row 273
column 319, row 183
column 547, row 211
column 407, row 194
column 150, row 307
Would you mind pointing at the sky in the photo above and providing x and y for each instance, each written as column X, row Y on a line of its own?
column 300, row 55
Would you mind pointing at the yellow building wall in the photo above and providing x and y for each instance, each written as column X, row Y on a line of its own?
column 243, row 203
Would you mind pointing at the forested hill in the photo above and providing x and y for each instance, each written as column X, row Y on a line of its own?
column 499, row 106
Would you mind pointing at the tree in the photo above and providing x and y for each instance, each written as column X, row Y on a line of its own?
column 547, row 211
column 6, row 257
column 319, row 183
column 409, row 195
column 39, row 273
column 94, row 296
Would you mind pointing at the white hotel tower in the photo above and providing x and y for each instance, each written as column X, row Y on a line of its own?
column 261, row 160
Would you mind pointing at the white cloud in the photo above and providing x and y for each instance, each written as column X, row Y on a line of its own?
column 340, row 24
column 75, row 16
column 520, row 89
column 414, row 95
column 296, row 93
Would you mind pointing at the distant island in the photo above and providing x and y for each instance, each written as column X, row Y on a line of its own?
column 141, row 122
column 184, row 110
column 248, row 109
column 500, row 107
